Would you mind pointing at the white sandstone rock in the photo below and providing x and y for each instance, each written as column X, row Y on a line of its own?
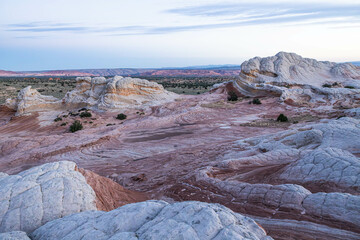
column 301, row 80
column 41, row 194
column 154, row 220
column 96, row 93
column 17, row 235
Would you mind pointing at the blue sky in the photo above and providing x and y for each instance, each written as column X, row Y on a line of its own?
column 74, row 34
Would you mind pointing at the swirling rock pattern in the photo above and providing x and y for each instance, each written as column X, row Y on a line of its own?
column 97, row 93
column 155, row 220
column 300, row 80
column 41, row 194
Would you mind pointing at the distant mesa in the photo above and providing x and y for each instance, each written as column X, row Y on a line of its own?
column 97, row 93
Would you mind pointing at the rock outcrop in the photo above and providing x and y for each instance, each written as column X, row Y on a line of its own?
column 54, row 190
column 41, row 194
column 300, row 80
column 289, row 164
column 96, row 93
column 155, row 220
column 16, row 235
column 29, row 100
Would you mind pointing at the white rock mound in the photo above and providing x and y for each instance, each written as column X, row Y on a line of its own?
column 117, row 92
column 300, row 80
column 96, row 93
column 16, row 235
column 154, row 220
column 29, row 100
column 42, row 194
column 309, row 171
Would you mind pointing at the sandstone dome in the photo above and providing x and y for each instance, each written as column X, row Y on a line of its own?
column 299, row 80
column 155, row 220
column 96, row 93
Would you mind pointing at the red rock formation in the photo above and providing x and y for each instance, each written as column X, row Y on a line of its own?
column 109, row 194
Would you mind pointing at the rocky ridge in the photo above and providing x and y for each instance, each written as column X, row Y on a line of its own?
column 301, row 81
column 96, row 93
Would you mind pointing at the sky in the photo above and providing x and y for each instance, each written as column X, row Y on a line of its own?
column 80, row 34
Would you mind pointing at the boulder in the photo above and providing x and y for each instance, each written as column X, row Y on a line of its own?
column 41, row 194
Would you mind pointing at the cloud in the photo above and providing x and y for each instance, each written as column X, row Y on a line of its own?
column 220, row 16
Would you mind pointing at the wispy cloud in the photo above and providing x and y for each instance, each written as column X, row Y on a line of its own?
column 220, row 16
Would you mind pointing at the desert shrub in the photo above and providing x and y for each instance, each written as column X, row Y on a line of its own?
column 256, row 101
column 327, row 85
column 232, row 96
column 282, row 118
column 82, row 109
column 76, row 126
column 121, row 116
column 85, row 114
column 57, row 119
column 63, row 124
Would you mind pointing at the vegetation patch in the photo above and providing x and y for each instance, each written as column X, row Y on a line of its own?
column 85, row 114
column 121, row 116
column 58, row 119
column 282, row 118
column 232, row 96
column 76, row 126
column 256, row 101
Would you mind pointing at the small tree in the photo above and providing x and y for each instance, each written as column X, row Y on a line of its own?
column 121, row 116
column 76, row 126
column 282, row 118
column 232, row 96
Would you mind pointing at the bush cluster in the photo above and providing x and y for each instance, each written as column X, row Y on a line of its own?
column 121, row 116
column 232, row 96
column 85, row 114
column 57, row 119
column 76, row 126
column 282, row 118
column 256, row 101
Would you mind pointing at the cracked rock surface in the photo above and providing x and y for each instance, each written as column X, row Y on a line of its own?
column 41, row 194
column 154, row 220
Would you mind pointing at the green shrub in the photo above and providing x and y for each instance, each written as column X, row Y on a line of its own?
column 232, row 96
column 85, row 114
column 350, row 87
column 76, row 126
column 57, row 119
column 121, row 116
column 282, row 118
column 256, row 101
column 63, row 124
column 327, row 85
